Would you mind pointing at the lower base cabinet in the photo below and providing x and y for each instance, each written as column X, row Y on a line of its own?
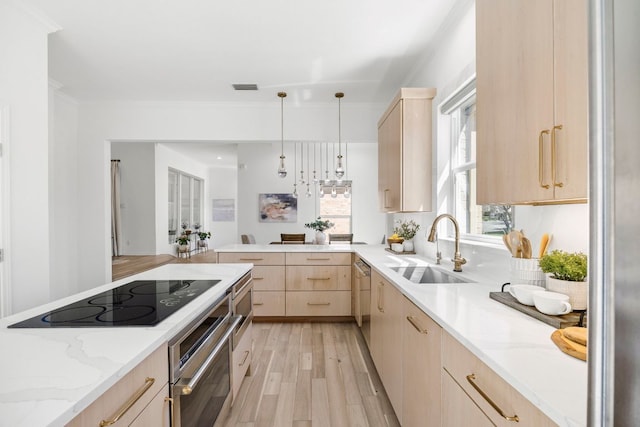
column 457, row 408
column 478, row 385
column 421, row 366
column 241, row 359
column 149, row 382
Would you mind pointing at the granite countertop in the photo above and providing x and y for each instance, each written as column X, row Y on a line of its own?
column 516, row 346
column 51, row 374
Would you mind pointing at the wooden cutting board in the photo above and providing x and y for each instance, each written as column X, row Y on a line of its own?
column 567, row 346
column 576, row 334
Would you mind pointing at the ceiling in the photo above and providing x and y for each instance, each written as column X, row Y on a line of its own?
column 194, row 50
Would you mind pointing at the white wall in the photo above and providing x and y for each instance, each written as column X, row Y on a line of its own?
column 223, row 184
column 24, row 92
column 258, row 175
column 137, row 197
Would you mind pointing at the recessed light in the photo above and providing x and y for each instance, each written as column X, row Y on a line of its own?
column 245, row 86
column 219, row 158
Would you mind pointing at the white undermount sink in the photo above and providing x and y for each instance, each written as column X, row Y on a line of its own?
column 427, row 274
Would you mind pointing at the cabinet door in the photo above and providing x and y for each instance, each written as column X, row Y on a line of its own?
column 421, row 368
column 392, row 346
column 376, row 332
column 157, row 412
column 318, row 278
column 457, row 408
column 514, row 98
column 389, row 166
column 571, row 98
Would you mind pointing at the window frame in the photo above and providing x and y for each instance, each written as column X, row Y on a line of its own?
column 340, row 188
column 181, row 176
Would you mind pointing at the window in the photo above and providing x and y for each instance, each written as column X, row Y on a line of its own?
column 185, row 202
column 473, row 219
column 337, row 209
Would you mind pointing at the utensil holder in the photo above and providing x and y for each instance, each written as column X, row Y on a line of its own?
column 527, row 271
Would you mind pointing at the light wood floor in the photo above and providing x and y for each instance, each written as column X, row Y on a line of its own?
column 310, row 374
column 123, row 266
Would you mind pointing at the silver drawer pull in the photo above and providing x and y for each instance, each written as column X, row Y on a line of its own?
column 415, row 324
column 148, row 382
column 318, row 303
column 471, row 378
column 246, row 354
column 318, row 278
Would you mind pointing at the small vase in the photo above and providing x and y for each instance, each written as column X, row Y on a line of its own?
column 577, row 291
column 183, row 248
column 407, row 245
column 321, row 238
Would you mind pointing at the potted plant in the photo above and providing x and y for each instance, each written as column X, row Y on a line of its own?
column 320, row 226
column 203, row 236
column 183, row 243
column 406, row 230
column 566, row 274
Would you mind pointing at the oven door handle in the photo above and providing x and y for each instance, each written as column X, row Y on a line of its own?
column 186, row 385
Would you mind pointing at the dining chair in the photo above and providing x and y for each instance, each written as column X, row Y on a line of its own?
column 341, row 238
column 248, row 239
column 292, row 238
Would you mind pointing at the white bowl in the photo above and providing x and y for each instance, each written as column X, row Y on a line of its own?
column 397, row 247
column 524, row 293
column 552, row 303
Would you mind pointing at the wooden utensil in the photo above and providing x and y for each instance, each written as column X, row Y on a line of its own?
column 576, row 334
column 507, row 243
column 526, row 248
column 516, row 248
column 567, row 346
column 544, row 244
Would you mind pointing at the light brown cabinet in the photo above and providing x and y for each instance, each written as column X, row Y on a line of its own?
column 386, row 337
column 532, row 101
column 241, row 359
column 404, row 152
column 421, row 366
column 268, row 279
column 498, row 402
column 457, row 408
column 138, row 399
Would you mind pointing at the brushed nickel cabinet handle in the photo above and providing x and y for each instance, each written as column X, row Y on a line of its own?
column 148, row 382
column 318, row 278
column 246, row 355
column 541, row 158
column 471, row 378
column 554, row 162
column 318, row 303
column 415, row 324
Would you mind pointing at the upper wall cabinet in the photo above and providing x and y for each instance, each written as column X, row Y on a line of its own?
column 404, row 152
column 532, row 103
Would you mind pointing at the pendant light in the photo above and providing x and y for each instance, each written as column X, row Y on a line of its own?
column 308, row 193
column 282, row 170
column 295, row 186
column 301, row 164
column 347, row 188
column 321, row 181
column 339, row 167
column 315, row 178
column 334, row 190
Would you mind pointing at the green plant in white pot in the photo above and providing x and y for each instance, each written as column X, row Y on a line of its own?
column 407, row 230
column 566, row 274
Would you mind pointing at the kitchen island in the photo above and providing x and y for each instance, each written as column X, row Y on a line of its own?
column 52, row 374
column 515, row 346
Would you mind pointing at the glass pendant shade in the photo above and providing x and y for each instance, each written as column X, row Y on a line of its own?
column 282, row 170
column 334, row 191
column 347, row 191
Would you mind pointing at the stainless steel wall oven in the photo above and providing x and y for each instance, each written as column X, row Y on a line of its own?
column 200, row 366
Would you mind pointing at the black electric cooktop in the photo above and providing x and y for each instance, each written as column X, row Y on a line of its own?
column 139, row 303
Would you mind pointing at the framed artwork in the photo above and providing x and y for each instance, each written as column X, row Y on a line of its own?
column 277, row 207
column 224, row 210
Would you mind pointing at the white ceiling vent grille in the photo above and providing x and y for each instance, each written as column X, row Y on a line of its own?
column 245, row 86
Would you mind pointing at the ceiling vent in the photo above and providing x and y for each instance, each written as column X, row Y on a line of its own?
column 245, row 86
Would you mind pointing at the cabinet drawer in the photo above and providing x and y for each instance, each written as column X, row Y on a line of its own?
column 242, row 359
column 255, row 258
column 318, row 278
column 466, row 369
column 268, row 303
column 268, row 278
column 113, row 401
column 318, row 258
column 157, row 413
column 319, row 303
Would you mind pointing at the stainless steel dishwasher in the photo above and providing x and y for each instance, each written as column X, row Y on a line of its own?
column 362, row 298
